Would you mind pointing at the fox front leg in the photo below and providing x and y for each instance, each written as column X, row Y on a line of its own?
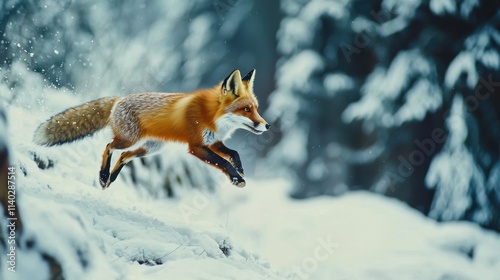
column 210, row 157
column 234, row 157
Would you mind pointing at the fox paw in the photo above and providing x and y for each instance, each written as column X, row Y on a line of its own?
column 239, row 182
column 104, row 184
column 240, row 171
column 104, row 179
column 237, row 165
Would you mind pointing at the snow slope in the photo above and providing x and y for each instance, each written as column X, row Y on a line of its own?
column 120, row 233
column 359, row 235
column 250, row 233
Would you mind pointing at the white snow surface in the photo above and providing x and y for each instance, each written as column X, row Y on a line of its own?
column 98, row 234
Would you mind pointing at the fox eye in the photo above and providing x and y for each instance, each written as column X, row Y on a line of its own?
column 247, row 109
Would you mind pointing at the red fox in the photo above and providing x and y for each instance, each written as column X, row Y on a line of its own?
column 141, row 122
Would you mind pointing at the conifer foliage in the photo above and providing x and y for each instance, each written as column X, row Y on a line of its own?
column 398, row 97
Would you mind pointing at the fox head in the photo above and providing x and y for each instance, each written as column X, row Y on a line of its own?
column 240, row 105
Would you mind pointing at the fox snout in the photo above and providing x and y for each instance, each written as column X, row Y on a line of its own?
column 259, row 127
column 266, row 126
column 262, row 126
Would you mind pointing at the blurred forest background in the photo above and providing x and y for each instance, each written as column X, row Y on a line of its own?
column 397, row 97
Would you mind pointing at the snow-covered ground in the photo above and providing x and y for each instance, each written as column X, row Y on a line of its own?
column 358, row 236
column 252, row 233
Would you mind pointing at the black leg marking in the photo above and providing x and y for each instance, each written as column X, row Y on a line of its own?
column 235, row 157
column 115, row 173
column 104, row 173
column 209, row 156
column 126, row 157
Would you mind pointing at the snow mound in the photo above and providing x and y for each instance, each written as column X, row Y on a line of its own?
column 359, row 235
column 74, row 229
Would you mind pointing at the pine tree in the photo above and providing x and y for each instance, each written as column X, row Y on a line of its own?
column 422, row 127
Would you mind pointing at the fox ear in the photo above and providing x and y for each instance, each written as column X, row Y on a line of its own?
column 249, row 78
column 232, row 83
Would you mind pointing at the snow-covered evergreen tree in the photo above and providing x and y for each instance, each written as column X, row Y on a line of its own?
column 465, row 173
column 424, row 126
column 314, row 84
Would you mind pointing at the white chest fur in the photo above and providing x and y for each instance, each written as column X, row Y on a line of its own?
column 225, row 127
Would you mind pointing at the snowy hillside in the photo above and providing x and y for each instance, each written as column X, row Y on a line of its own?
column 250, row 233
column 120, row 233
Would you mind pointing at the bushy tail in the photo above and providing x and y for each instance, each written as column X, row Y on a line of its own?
column 75, row 123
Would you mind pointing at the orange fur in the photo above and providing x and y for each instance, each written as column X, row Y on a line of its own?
column 183, row 119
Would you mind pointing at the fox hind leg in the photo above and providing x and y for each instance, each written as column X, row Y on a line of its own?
column 125, row 157
column 117, row 143
column 149, row 148
column 106, row 162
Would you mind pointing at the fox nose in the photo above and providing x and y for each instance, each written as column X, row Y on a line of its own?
column 268, row 126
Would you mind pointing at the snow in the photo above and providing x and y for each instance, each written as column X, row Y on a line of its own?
column 483, row 46
column 395, row 15
column 200, row 34
column 480, row 47
column 410, row 75
column 120, row 233
column 440, row 7
column 318, row 8
column 336, row 82
column 296, row 142
column 359, row 236
column 467, row 7
column 462, row 63
column 455, row 175
column 494, row 177
column 252, row 233
column 297, row 31
column 295, row 34
column 299, row 69
column 423, row 97
column 405, row 8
